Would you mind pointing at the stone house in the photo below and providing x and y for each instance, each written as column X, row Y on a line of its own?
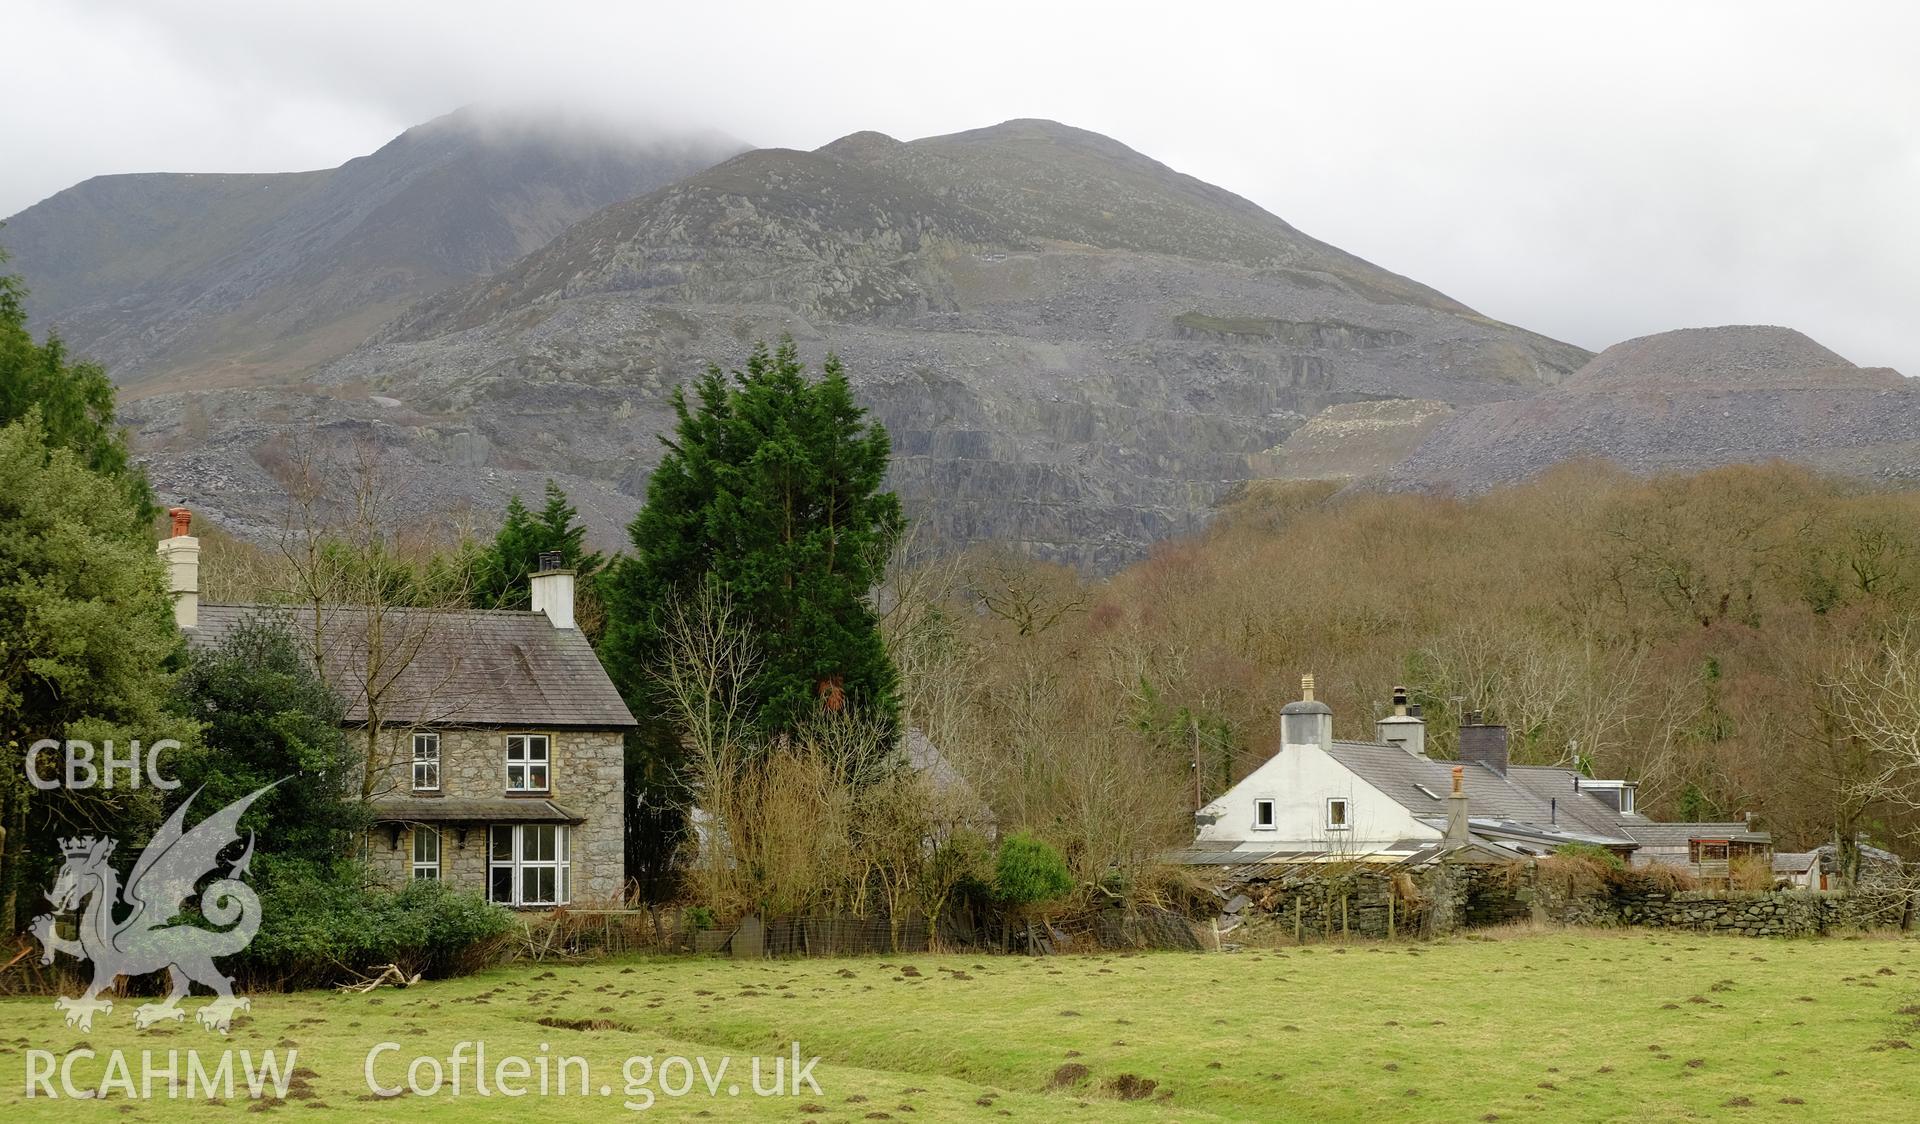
column 491, row 741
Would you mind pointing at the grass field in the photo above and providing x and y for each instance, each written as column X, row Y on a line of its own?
column 1542, row 1027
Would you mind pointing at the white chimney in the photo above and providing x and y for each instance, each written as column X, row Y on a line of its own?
column 1403, row 727
column 181, row 556
column 553, row 590
column 1308, row 721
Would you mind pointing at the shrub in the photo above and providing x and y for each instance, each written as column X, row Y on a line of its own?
column 320, row 924
column 1667, row 878
column 1750, row 872
column 1029, row 871
column 1593, row 853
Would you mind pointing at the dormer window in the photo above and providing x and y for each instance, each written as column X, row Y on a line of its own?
column 426, row 762
column 1264, row 816
column 1626, row 798
column 1337, row 819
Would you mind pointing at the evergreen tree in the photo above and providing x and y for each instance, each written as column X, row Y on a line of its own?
column 770, row 490
column 86, row 642
column 267, row 717
column 72, row 401
column 501, row 576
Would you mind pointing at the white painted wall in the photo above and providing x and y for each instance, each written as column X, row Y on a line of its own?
column 1300, row 779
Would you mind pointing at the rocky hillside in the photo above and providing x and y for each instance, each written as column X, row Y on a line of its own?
column 1076, row 348
column 1686, row 400
column 1354, row 441
column 181, row 280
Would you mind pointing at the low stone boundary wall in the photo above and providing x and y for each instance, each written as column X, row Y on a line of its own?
column 1320, row 903
column 1774, row 913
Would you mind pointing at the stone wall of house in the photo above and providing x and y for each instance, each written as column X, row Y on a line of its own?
column 586, row 777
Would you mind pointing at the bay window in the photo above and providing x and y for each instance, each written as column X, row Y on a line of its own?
column 528, row 865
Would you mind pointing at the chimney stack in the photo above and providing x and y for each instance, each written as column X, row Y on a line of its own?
column 180, row 554
column 553, row 590
column 1484, row 744
column 1457, row 810
column 1308, row 721
column 1403, row 726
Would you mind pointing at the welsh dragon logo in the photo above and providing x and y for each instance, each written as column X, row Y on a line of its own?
column 151, row 932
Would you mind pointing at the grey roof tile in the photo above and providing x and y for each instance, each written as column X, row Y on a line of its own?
column 1536, row 796
column 444, row 667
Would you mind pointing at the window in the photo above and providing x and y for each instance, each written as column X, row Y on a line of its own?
column 426, row 762
column 426, row 854
column 1337, row 816
column 1263, row 815
column 527, row 763
column 1626, row 798
column 528, row 864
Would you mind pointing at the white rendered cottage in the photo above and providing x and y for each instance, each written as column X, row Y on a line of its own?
column 1319, row 799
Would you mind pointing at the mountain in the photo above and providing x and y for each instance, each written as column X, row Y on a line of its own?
column 187, row 280
column 1686, row 400
column 1075, row 347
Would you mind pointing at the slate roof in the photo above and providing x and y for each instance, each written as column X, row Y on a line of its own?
column 1535, row 803
column 1678, row 835
column 447, row 667
column 1795, row 862
column 1569, row 807
column 405, row 809
column 1421, row 785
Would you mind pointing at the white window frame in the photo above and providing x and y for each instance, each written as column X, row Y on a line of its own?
column 1272, row 807
column 522, row 769
column 522, row 840
column 426, row 766
column 425, row 869
column 1626, row 800
column 1346, row 814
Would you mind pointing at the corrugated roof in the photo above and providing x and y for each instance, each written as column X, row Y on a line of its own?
column 445, row 667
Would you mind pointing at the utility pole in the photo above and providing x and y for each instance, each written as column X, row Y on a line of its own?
column 1197, row 801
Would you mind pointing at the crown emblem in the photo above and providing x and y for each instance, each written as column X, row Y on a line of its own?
column 86, row 846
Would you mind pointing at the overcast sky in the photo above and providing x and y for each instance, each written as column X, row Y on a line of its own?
column 1593, row 171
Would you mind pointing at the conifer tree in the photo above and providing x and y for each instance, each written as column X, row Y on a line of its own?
column 771, row 494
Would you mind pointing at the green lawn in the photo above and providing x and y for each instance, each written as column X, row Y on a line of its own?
column 1547, row 1027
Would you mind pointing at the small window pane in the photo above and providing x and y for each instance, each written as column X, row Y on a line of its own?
column 539, row 844
column 500, row 885
column 502, row 844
